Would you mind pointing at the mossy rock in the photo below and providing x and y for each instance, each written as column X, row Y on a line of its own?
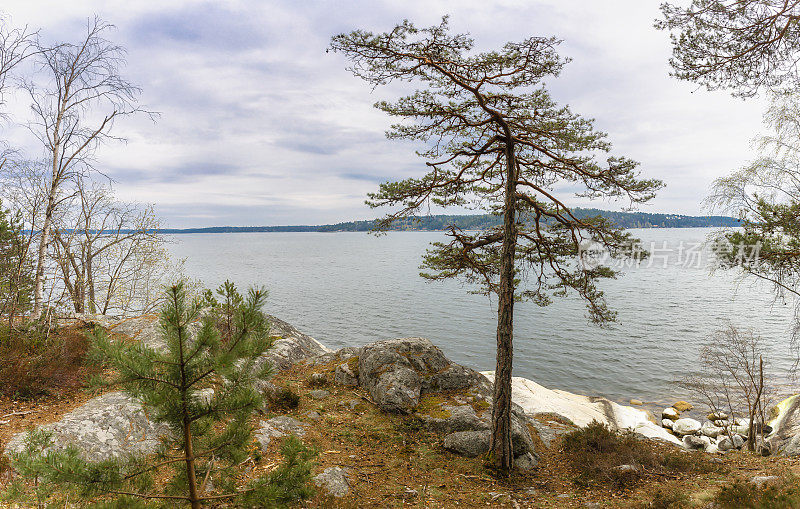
column 431, row 406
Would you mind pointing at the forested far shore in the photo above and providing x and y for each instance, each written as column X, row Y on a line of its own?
column 479, row 222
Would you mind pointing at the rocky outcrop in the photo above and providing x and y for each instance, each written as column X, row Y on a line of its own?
column 534, row 399
column 291, row 345
column 115, row 424
column 108, row 426
column 144, row 329
column 397, row 372
column 412, row 376
column 785, row 436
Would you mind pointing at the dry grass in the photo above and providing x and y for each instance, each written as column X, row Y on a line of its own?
column 600, row 456
column 35, row 365
column 396, row 462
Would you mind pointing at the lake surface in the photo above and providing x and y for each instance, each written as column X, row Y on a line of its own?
column 348, row 289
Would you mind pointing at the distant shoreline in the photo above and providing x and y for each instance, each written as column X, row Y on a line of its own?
column 470, row 222
column 475, row 222
column 246, row 229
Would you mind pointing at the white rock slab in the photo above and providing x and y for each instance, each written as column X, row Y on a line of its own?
column 582, row 410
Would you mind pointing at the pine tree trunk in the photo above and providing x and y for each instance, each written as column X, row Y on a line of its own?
column 194, row 498
column 191, row 474
column 501, row 455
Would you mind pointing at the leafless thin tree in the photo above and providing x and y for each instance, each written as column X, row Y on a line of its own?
column 732, row 379
column 74, row 111
column 100, row 246
column 16, row 44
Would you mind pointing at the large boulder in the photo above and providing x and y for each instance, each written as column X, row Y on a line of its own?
column 475, row 443
column 468, row 443
column 397, row 372
column 450, row 419
column 108, row 426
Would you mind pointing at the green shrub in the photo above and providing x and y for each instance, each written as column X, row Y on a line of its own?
column 283, row 399
column 747, row 495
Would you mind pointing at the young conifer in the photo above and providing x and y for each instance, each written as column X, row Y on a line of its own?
column 204, row 389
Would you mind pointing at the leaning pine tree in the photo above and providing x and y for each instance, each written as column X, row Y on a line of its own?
column 204, row 388
column 498, row 142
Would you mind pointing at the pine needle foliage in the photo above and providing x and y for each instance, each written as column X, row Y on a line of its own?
column 16, row 271
column 495, row 140
column 205, row 390
column 745, row 46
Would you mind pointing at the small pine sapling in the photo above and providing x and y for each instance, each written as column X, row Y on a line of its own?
column 204, row 389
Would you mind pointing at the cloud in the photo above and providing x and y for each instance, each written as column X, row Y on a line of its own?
column 259, row 125
column 209, row 24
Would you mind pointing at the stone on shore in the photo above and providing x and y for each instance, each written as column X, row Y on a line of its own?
column 696, row 442
column 686, row 426
column 710, row 430
column 670, row 413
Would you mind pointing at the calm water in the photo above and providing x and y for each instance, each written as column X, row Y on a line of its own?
column 347, row 289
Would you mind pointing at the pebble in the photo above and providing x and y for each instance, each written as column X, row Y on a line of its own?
column 682, row 406
column 670, row 413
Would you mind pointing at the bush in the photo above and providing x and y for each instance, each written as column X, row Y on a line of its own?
column 37, row 362
column 668, row 498
column 283, row 399
column 746, row 495
column 600, row 455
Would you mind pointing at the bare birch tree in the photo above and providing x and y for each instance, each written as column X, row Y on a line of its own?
column 106, row 250
column 15, row 46
column 74, row 111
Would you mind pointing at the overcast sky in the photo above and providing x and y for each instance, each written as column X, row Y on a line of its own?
column 259, row 126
